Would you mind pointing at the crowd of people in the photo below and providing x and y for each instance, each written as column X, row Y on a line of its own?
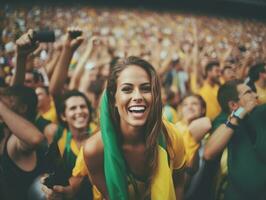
column 131, row 104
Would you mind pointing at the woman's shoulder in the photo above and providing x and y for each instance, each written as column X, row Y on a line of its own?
column 93, row 151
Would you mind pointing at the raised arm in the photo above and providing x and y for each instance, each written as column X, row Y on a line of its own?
column 79, row 70
column 25, row 46
column 222, row 135
column 56, row 52
column 61, row 70
column 28, row 137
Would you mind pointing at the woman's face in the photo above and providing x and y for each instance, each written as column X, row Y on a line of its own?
column 191, row 108
column 133, row 97
column 76, row 113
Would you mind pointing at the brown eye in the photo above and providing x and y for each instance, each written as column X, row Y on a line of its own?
column 146, row 88
column 126, row 89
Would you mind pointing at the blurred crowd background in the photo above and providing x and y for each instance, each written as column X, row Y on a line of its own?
column 191, row 39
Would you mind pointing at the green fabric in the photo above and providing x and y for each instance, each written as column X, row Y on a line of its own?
column 114, row 164
column 115, row 169
column 220, row 119
column 246, row 161
column 41, row 123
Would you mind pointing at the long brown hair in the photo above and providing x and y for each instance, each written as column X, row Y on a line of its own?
column 154, row 125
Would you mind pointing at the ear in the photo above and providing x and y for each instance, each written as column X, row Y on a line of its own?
column 233, row 105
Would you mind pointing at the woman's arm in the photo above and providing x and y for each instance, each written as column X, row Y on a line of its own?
column 93, row 155
column 27, row 135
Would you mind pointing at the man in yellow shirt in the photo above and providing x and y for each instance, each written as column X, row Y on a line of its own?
column 210, row 88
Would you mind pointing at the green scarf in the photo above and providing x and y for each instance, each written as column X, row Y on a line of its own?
column 115, row 168
column 114, row 164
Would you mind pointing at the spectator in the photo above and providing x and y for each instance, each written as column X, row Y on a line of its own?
column 242, row 133
column 133, row 91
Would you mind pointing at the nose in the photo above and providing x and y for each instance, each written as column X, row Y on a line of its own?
column 137, row 96
column 79, row 109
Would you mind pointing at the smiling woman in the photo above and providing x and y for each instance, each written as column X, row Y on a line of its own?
column 136, row 155
column 75, row 127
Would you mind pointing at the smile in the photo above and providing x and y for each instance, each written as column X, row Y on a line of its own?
column 137, row 109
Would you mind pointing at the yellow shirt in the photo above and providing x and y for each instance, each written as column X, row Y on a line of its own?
column 209, row 94
column 191, row 146
column 261, row 94
column 51, row 113
column 177, row 157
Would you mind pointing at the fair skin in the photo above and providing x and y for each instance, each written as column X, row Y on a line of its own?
column 229, row 74
column 43, row 100
column 133, row 98
column 76, row 115
column 222, row 135
column 192, row 111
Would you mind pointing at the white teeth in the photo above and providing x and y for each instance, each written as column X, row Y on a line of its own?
column 137, row 108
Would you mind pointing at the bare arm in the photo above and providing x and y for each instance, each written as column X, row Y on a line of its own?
column 50, row 66
column 74, row 82
column 24, row 47
column 61, row 70
column 27, row 135
column 218, row 141
column 199, row 127
column 93, row 155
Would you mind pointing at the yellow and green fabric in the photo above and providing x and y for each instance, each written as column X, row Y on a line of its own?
column 116, row 173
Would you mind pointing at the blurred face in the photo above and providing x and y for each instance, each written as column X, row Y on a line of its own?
column 76, row 113
column 133, row 97
column 191, row 108
column 214, row 74
column 246, row 95
column 43, row 98
column 29, row 82
column 229, row 74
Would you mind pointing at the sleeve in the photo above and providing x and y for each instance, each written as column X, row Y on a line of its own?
column 80, row 168
column 191, row 146
column 178, row 156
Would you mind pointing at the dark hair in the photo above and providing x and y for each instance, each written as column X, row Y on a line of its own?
column 201, row 100
column 37, row 76
column 210, row 65
column 23, row 96
column 61, row 104
column 228, row 92
column 255, row 71
column 254, row 74
column 154, row 124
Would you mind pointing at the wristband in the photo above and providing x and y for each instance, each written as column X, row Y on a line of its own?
column 230, row 125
